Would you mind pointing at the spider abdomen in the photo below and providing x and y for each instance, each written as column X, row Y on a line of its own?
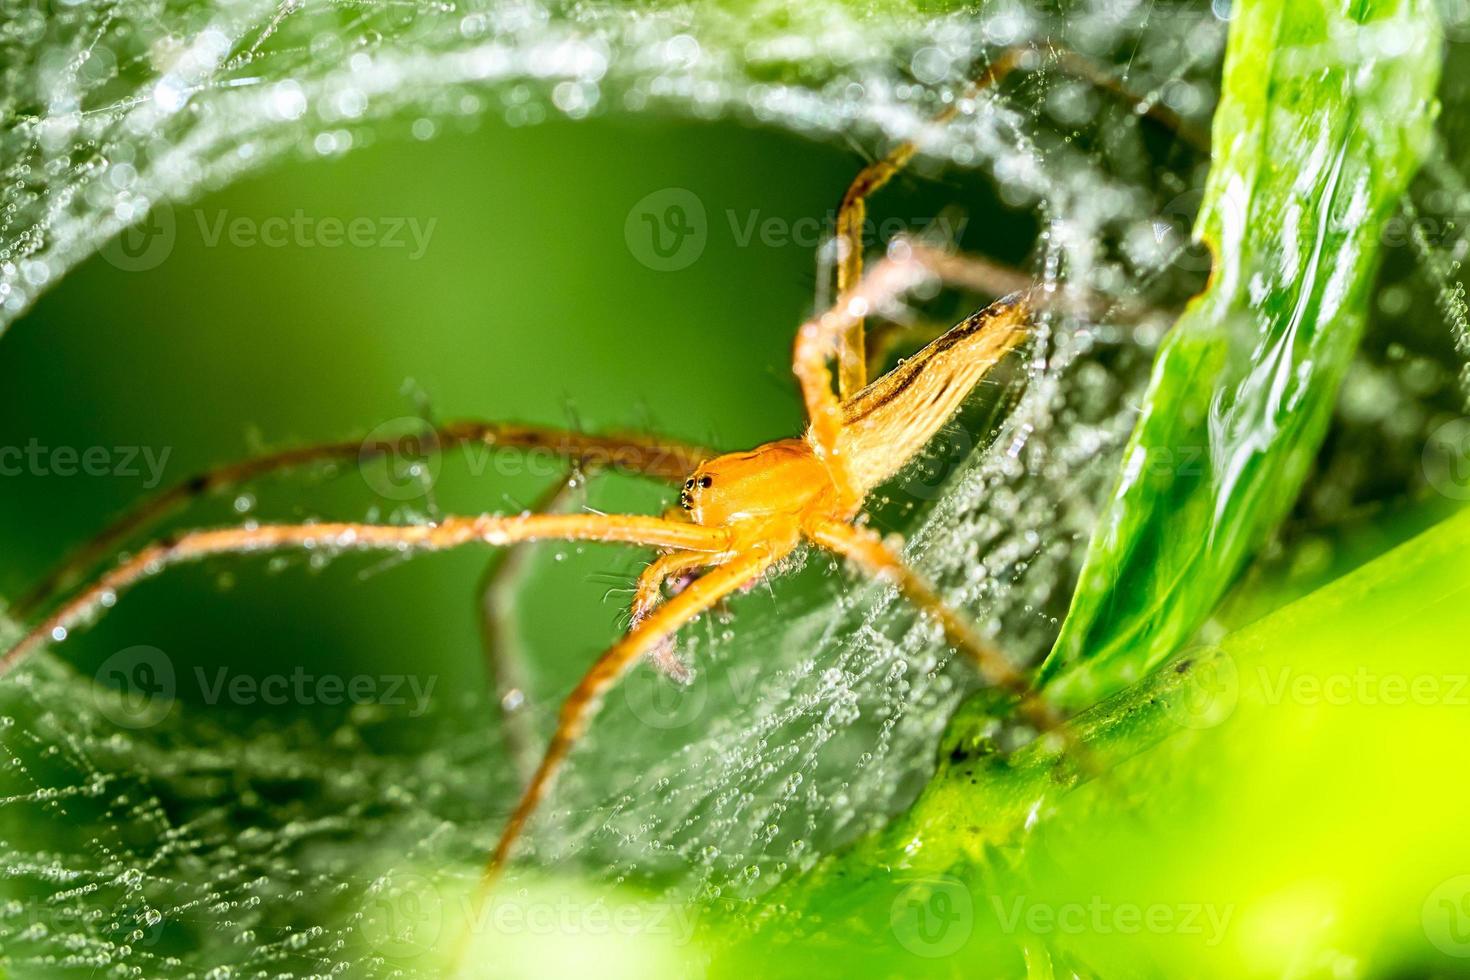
column 891, row 420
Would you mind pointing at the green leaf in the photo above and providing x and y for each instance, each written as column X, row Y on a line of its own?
column 1325, row 114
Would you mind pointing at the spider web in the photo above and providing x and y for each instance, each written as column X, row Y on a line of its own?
column 192, row 848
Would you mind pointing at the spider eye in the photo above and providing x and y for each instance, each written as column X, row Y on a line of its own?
column 689, row 483
column 705, row 481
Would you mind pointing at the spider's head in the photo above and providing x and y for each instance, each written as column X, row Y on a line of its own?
column 777, row 478
column 692, row 490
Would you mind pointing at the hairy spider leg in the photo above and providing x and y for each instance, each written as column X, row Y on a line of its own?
column 866, row 550
column 858, row 450
column 505, row 659
column 451, row 532
column 763, row 543
column 855, row 364
column 860, row 445
column 649, row 593
column 582, row 704
column 818, row 342
column 664, row 459
column 852, row 360
column 982, row 275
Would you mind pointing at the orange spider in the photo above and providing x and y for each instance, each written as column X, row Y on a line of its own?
column 740, row 514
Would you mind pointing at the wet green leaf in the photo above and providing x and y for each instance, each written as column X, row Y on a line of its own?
column 1324, row 116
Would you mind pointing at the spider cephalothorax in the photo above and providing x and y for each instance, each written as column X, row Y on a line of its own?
column 783, row 478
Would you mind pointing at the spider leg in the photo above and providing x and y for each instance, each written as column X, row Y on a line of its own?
column 582, row 704
column 451, row 532
column 867, row 551
column 1102, row 77
column 505, row 659
column 649, row 593
column 977, row 274
column 853, row 362
column 908, row 265
column 665, row 459
column 888, row 337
